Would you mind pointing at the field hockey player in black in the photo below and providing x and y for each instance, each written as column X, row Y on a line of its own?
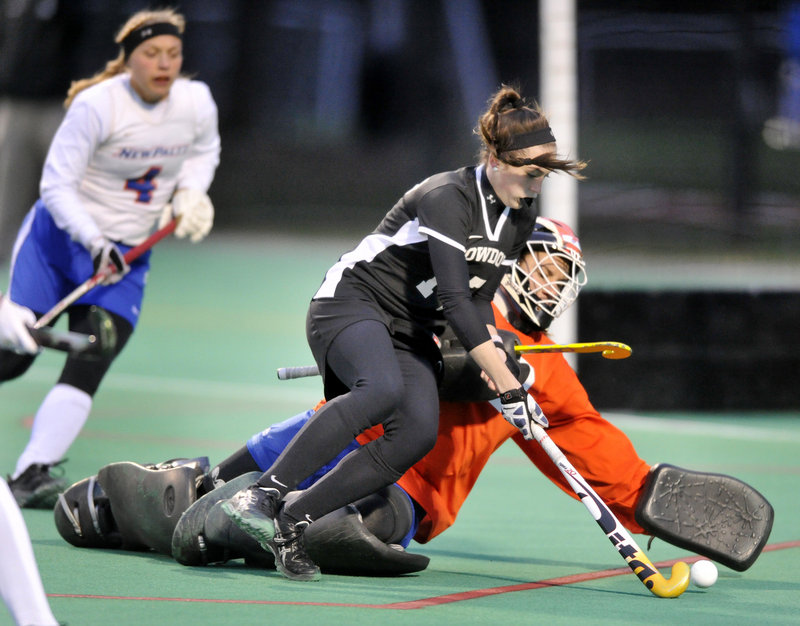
column 438, row 256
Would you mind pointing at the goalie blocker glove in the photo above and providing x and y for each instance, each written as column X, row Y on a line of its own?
column 511, row 358
column 521, row 410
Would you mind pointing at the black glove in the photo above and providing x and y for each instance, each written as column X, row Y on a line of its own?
column 104, row 254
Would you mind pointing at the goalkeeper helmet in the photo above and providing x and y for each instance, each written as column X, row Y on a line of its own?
column 547, row 277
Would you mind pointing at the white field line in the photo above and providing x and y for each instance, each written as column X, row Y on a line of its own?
column 629, row 422
column 272, row 390
column 291, row 390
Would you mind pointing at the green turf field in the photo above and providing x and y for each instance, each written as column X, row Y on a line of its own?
column 199, row 378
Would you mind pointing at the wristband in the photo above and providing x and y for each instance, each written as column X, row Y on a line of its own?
column 513, row 395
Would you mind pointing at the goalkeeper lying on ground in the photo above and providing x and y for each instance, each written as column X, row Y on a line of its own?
column 716, row 516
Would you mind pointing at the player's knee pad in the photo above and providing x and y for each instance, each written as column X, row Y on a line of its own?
column 83, row 516
column 13, row 365
column 86, row 374
column 714, row 515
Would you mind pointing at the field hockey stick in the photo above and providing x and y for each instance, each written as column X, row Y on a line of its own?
column 620, row 538
column 100, row 343
column 286, row 373
column 610, row 349
column 91, row 283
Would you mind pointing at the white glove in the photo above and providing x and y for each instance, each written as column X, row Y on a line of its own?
column 105, row 253
column 196, row 213
column 521, row 410
column 14, row 322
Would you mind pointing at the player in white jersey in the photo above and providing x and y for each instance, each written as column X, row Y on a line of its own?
column 20, row 583
column 437, row 256
column 138, row 145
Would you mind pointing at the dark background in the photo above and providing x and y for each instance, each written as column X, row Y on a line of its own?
column 330, row 110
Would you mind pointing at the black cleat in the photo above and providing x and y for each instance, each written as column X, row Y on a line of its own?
column 253, row 510
column 291, row 558
column 36, row 488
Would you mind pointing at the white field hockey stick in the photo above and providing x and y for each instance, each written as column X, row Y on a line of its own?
column 620, row 538
column 91, row 283
column 610, row 350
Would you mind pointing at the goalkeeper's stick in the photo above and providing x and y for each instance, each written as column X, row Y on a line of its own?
column 620, row 538
column 610, row 349
column 91, row 283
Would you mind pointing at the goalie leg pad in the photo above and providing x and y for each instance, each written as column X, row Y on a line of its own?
column 340, row 543
column 148, row 501
column 83, row 516
column 717, row 516
column 204, row 534
column 388, row 514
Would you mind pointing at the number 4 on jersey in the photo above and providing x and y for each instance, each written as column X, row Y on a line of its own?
column 144, row 185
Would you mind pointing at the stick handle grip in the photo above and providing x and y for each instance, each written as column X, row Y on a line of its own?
column 65, row 341
column 287, row 373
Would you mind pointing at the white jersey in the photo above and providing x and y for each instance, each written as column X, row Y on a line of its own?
column 116, row 160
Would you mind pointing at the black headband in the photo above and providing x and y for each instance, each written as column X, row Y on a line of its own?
column 533, row 138
column 143, row 33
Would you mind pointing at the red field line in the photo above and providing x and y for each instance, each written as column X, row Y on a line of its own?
column 436, row 600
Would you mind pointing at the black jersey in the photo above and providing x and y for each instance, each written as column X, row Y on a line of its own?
column 438, row 255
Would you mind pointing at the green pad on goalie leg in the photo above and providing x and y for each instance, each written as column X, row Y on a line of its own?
column 717, row 516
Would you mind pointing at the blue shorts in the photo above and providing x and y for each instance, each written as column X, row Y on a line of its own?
column 48, row 265
column 267, row 445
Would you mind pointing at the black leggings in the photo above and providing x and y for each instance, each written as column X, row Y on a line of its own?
column 84, row 374
column 389, row 386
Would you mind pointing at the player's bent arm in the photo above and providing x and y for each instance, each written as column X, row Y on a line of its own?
column 488, row 358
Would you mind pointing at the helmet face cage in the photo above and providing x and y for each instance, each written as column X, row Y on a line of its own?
column 553, row 274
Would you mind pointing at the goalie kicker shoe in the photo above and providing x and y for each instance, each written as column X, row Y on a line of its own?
column 253, row 510
column 288, row 546
column 715, row 515
column 36, row 488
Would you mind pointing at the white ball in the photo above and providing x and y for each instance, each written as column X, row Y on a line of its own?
column 704, row 573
